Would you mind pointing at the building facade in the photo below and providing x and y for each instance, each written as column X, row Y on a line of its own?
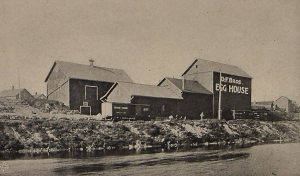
column 94, row 90
column 285, row 104
column 195, row 98
column 81, row 86
column 229, row 84
column 146, row 100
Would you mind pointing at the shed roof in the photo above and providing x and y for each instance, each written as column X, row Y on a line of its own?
column 145, row 90
column 10, row 93
column 189, row 85
column 87, row 72
column 206, row 66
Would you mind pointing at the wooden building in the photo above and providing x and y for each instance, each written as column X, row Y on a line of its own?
column 195, row 98
column 147, row 100
column 285, row 104
column 15, row 94
column 80, row 86
column 39, row 96
column 234, row 83
column 269, row 105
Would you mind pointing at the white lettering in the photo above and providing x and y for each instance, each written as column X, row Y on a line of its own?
column 230, row 88
column 222, row 87
column 238, row 89
column 231, row 80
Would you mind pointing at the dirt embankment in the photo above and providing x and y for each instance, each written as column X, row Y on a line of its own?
column 29, row 127
column 53, row 135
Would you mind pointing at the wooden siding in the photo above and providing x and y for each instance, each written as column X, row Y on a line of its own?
column 160, row 107
column 60, row 94
column 230, row 100
column 285, row 104
column 57, row 86
column 194, row 104
column 77, row 94
column 26, row 95
column 120, row 95
column 204, row 78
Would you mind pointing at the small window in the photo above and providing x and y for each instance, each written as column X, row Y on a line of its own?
column 196, row 66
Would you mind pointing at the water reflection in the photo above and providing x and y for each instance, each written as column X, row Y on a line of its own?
column 119, row 152
column 105, row 165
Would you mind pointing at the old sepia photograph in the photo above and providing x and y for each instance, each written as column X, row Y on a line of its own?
column 150, row 87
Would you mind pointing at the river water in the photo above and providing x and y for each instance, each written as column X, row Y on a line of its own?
column 268, row 159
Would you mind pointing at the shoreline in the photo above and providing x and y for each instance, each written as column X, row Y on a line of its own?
column 44, row 136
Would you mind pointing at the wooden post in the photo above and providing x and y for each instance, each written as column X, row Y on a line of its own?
column 220, row 99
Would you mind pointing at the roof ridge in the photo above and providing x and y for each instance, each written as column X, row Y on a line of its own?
column 138, row 83
column 88, row 65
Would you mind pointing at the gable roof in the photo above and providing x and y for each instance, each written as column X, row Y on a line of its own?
column 87, row 72
column 206, row 66
column 11, row 93
column 189, row 85
column 145, row 90
column 283, row 97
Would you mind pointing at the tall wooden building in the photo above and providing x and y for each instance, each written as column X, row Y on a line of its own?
column 235, row 84
column 80, row 86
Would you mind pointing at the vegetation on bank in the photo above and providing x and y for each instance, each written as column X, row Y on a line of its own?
column 27, row 135
column 29, row 126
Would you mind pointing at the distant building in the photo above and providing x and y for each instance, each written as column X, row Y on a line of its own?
column 286, row 104
column 269, row 105
column 15, row 94
column 81, row 86
column 235, row 84
column 39, row 96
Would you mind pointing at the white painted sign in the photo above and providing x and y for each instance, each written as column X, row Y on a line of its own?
column 232, row 88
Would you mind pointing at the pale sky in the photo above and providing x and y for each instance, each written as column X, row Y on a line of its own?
column 153, row 39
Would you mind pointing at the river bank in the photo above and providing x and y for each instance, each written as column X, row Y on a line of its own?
column 46, row 135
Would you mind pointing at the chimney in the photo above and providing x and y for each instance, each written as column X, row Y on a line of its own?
column 13, row 88
column 182, row 83
column 91, row 62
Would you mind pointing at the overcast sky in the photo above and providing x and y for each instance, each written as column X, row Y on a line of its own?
column 151, row 40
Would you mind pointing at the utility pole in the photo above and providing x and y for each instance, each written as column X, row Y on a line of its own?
column 219, row 105
column 19, row 84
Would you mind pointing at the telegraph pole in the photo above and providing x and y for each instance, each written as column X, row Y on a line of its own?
column 219, row 105
column 19, row 84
